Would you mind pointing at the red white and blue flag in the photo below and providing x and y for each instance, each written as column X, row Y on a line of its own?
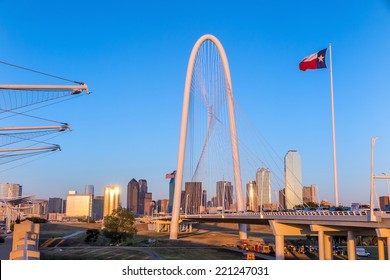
column 313, row 61
column 170, row 175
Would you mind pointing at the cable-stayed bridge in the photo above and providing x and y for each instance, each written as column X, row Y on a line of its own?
column 213, row 151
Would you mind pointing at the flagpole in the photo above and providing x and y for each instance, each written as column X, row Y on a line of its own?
column 336, row 195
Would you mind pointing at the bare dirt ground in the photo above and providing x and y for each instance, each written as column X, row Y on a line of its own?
column 214, row 241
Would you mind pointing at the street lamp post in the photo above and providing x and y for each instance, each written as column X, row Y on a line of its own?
column 372, row 216
column 223, row 200
column 387, row 184
column 185, row 212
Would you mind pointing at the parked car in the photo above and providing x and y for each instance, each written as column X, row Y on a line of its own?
column 361, row 252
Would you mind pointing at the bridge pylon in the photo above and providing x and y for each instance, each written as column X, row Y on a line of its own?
column 183, row 135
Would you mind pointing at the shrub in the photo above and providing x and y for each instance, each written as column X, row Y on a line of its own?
column 92, row 235
column 37, row 220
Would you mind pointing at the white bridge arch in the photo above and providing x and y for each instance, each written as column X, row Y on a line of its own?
column 183, row 134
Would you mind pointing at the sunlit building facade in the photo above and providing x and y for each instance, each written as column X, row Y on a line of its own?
column 309, row 194
column 162, row 206
column 148, row 205
column 79, row 205
column 251, row 196
column 111, row 199
column 8, row 190
column 39, row 208
column 292, row 179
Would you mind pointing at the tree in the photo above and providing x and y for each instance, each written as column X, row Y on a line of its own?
column 119, row 226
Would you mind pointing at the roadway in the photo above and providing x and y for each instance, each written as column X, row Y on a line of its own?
column 324, row 224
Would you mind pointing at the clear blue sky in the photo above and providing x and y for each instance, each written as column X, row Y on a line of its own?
column 133, row 55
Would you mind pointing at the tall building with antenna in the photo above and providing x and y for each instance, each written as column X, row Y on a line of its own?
column 292, row 179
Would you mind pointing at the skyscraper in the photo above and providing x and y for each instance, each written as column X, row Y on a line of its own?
column 204, row 198
column 90, row 189
column 143, row 189
column 193, row 197
column 171, row 176
column 132, row 196
column 111, row 199
column 97, row 207
column 162, row 205
column 224, row 194
column 282, row 200
column 263, row 183
column 309, row 194
column 251, row 196
column 148, row 205
column 293, row 179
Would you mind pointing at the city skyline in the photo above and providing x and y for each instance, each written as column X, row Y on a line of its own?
column 131, row 60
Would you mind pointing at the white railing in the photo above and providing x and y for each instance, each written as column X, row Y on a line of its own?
column 271, row 214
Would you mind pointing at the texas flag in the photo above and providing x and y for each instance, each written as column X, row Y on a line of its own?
column 170, row 175
column 313, row 61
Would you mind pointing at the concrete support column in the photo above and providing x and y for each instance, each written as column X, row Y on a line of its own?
column 381, row 248
column 328, row 249
column 351, row 250
column 279, row 244
column 388, row 247
column 242, row 231
column 321, row 253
